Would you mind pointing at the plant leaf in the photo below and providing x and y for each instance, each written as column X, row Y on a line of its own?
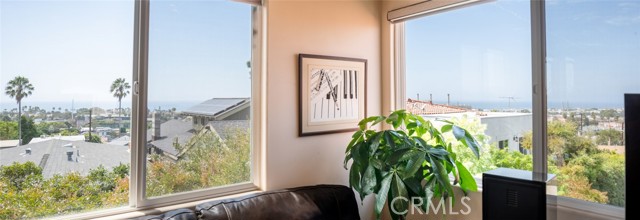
column 369, row 180
column 398, row 190
column 381, row 195
column 467, row 182
column 354, row 179
column 446, row 128
column 414, row 164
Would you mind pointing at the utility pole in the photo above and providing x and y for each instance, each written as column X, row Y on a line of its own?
column 448, row 99
column 430, row 97
column 90, row 120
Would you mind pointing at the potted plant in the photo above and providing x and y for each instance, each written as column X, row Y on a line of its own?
column 411, row 160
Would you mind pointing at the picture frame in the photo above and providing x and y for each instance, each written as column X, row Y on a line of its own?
column 332, row 94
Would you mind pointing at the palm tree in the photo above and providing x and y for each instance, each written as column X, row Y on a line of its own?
column 19, row 88
column 120, row 89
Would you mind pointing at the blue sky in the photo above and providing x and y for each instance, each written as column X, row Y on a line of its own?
column 481, row 53
column 199, row 50
column 75, row 49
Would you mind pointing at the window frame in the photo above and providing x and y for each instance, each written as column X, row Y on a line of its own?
column 137, row 186
column 397, row 17
column 137, row 200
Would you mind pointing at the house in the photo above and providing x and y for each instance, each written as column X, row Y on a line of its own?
column 217, row 115
column 57, row 156
column 506, row 129
column 217, row 109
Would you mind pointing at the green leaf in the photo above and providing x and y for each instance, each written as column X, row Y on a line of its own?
column 446, row 128
column 397, row 155
column 398, row 190
column 381, row 195
column 375, row 143
column 389, row 139
column 458, row 132
column 467, row 182
column 346, row 160
column 354, row 179
column 414, row 164
column 472, row 143
column 369, row 180
column 378, row 120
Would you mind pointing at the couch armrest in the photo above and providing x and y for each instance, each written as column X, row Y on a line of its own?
column 309, row 202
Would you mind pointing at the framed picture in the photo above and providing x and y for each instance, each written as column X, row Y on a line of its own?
column 332, row 94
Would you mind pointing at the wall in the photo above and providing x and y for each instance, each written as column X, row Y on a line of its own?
column 337, row 28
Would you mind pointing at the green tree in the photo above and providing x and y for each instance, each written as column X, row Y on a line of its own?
column 563, row 141
column 19, row 88
column 29, row 129
column 8, row 130
column 609, row 137
column 120, row 89
column 17, row 173
column 93, row 138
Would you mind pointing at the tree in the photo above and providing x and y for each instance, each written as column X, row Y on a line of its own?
column 8, row 130
column 120, row 89
column 19, row 88
column 609, row 137
column 93, row 138
column 29, row 129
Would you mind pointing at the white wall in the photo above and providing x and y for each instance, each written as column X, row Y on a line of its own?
column 336, row 28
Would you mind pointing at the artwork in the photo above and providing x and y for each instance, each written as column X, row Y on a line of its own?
column 332, row 96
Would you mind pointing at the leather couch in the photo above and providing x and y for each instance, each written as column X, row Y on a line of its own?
column 319, row 202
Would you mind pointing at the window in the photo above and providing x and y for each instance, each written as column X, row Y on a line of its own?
column 593, row 50
column 96, row 135
column 472, row 66
column 198, row 72
column 580, row 64
column 67, row 69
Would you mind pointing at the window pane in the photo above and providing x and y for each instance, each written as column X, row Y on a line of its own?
column 473, row 66
column 199, row 95
column 593, row 48
column 59, row 61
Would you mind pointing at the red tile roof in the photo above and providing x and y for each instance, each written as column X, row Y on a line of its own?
column 428, row 108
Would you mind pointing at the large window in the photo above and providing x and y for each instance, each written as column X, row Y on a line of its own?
column 199, row 96
column 473, row 66
column 593, row 49
column 130, row 104
column 66, row 76
column 469, row 63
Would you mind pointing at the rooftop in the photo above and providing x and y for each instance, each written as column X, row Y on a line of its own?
column 216, row 106
column 428, row 108
column 51, row 155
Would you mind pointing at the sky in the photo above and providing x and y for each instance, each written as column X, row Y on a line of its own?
column 74, row 50
column 482, row 54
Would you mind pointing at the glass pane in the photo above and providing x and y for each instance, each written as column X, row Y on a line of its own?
column 59, row 62
column 199, row 95
column 473, row 66
column 593, row 48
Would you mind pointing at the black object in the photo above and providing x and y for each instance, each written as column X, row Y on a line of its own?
column 632, row 151
column 333, row 202
column 513, row 194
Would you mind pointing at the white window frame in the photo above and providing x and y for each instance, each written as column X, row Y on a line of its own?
column 138, row 203
column 397, row 18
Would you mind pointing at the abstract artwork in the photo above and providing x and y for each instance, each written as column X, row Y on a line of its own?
column 332, row 96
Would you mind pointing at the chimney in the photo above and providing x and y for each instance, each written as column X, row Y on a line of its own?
column 27, row 151
column 418, row 97
column 155, row 126
column 431, row 98
column 448, row 99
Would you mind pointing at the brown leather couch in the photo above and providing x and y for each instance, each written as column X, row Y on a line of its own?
column 331, row 202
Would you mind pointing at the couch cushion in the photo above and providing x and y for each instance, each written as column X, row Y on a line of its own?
column 178, row 214
column 333, row 202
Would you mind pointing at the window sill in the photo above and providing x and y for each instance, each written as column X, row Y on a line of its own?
column 578, row 206
column 131, row 212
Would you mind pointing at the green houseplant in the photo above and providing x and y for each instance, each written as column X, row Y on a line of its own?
column 411, row 160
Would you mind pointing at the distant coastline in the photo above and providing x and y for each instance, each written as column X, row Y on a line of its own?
column 182, row 105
